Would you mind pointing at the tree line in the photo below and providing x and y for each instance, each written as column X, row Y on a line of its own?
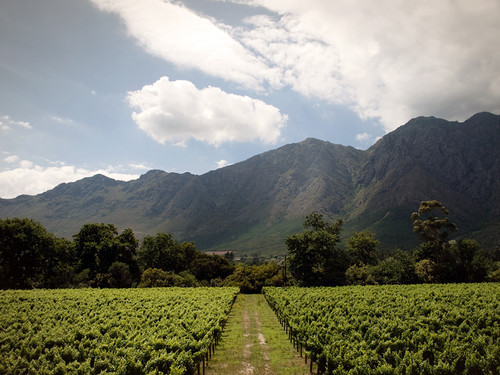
column 99, row 256
column 316, row 259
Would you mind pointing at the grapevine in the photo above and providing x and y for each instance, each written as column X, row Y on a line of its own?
column 412, row 329
column 123, row 331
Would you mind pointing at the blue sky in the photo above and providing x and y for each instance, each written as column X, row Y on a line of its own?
column 120, row 87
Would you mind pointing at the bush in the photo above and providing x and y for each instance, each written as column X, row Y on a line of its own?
column 155, row 277
column 251, row 279
column 359, row 274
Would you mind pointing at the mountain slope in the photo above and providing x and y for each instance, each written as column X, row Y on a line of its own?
column 253, row 205
column 428, row 158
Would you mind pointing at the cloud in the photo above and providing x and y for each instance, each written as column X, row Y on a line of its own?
column 63, row 120
column 390, row 60
column 222, row 163
column 363, row 137
column 29, row 178
column 11, row 159
column 138, row 166
column 6, row 123
column 179, row 35
column 176, row 111
column 387, row 60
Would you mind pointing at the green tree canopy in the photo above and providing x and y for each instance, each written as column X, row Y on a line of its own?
column 313, row 254
column 98, row 246
column 435, row 261
column 209, row 267
column 27, row 253
column 362, row 248
column 431, row 222
column 163, row 251
column 252, row 278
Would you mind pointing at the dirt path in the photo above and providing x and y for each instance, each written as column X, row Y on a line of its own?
column 254, row 343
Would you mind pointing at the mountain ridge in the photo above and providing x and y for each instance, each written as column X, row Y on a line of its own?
column 254, row 204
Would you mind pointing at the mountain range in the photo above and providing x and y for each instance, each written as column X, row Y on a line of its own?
column 251, row 206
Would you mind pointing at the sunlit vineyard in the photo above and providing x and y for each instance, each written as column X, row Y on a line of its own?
column 413, row 329
column 123, row 331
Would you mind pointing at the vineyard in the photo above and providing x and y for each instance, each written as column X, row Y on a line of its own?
column 414, row 329
column 122, row 331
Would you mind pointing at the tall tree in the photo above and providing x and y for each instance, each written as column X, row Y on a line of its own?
column 313, row 254
column 433, row 226
column 431, row 222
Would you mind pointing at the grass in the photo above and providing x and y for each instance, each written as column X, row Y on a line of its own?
column 255, row 343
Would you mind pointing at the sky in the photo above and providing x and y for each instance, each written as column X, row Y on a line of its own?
column 120, row 87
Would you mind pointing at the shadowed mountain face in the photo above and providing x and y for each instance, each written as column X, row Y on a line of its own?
column 253, row 205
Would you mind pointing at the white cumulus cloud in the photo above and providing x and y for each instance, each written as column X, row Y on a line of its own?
column 179, row 35
column 363, row 137
column 11, row 159
column 222, row 163
column 390, row 60
column 176, row 111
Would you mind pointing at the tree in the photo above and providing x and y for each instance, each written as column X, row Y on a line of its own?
column 251, row 278
column 61, row 265
column 432, row 225
column 209, row 267
column 119, row 275
column 313, row 254
column 25, row 251
column 155, row 277
column 98, row 246
column 165, row 252
column 471, row 263
column 359, row 274
column 127, row 251
column 94, row 247
column 362, row 248
column 398, row 268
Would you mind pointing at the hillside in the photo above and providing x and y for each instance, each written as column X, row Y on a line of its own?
column 253, row 205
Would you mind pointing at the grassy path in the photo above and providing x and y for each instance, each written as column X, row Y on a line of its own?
column 254, row 343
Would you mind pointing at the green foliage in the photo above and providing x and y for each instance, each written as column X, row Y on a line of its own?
column 154, row 277
column 32, row 257
column 208, row 267
column 128, row 331
column 362, row 248
column 313, row 254
column 471, row 263
column 359, row 274
column 392, row 329
column 120, row 276
column 165, row 252
column 428, row 271
column 98, row 246
column 433, row 226
column 397, row 268
column 252, row 278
